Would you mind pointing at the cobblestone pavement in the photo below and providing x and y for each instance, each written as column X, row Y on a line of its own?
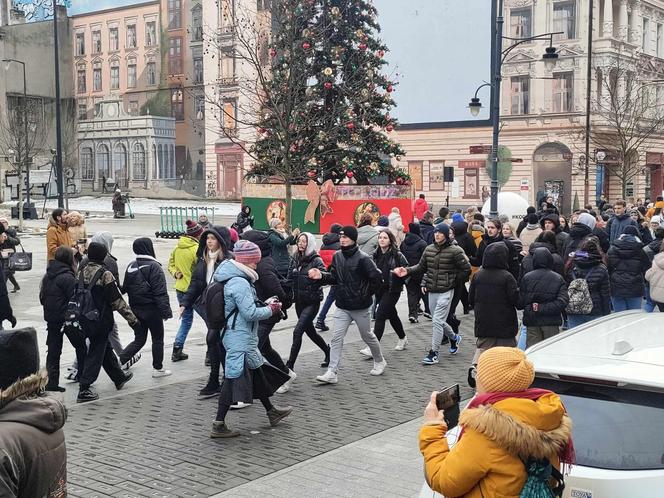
column 155, row 442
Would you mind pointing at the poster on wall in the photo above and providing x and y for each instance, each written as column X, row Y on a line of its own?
column 415, row 172
column 436, row 176
column 471, row 183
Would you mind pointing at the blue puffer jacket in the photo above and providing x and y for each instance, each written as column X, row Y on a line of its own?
column 241, row 337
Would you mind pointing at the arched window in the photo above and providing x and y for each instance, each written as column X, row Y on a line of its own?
column 155, row 165
column 172, row 157
column 160, row 152
column 120, row 164
column 103, row 161
column 87, row 168
column 138, row 162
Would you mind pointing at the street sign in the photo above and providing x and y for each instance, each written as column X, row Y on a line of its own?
column 480, row 149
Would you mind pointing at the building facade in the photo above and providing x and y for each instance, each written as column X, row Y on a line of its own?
column 543, row 112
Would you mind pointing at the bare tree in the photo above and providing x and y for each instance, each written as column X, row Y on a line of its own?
column 36, row 10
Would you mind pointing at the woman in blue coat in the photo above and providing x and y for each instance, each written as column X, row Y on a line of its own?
column 246, row 376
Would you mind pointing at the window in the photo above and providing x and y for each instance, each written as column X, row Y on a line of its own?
column 82, row 109
column 521, row 21
column 87, row 171
column 113, row 40
column 103, row 161
column 120, row 163
column 177, row 104
column 152, row 73
column 160, row 153
column 115, row 77
column 200, row 107
column 564, row 19
column 198, row 70
column 96, row 42
column 175, row 56
column 138, row 162
column 131, row 74
column 197, row 24
column 151, row 33
column 646, row 35
column 80, row 80
column 131, row 36
column 520, row 94
column 562, row 92
column 80, row 43
column 133, row 107
column 660, row 40
column 96, row 78
column 229, row 117
column 174, row 14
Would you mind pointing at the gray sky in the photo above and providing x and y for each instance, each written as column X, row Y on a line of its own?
column 440, row 54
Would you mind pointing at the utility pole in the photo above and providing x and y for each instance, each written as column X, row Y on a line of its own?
column 58, row 123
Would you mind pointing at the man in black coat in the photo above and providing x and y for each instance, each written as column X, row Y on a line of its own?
column 145, row 285
column 426, row 227
column 627, row 266
column 552, row 222
column 412, row 248
column 543, row 297
column 6, row 312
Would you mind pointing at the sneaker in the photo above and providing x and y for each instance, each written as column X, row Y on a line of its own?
column 401, row 344
column 328, row 377
column 210, row 390
column 131, row 361
column 160, row 373
column 413, row 319
column 427, row 315
column 431, row 358
column 72, row 373
column 127, row 378
column 454, row 345
column 321, row 326
column 366, row 352
column 220, row 430
column 277, row 414
column 286, row 385
column 239, row 405
column 86, row 395
column 378, row 368
column 55, row 389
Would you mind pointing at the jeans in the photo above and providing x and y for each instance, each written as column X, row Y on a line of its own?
column 265, row 347
column 152, row 321
column 54, row 344
column 100, row 354
column 439, row 303
column 414, row 291
column 626, row 303
column 649, row 305
column 342, row 320
column 537, row 334
column 329, row 301
column 387, row 310
column 305, row 325
column 576, row 320
column 186, row 320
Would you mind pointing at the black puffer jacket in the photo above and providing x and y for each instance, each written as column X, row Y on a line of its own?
column 464, row 239
column 145, row 283
column 653, row 249
column 591, row 267
column 305, row 290
column 527, row 264
column 603, row 237
column 356, row 276
column 57, row 288
column 426, row 229
column 546, row 288
column 577, row 233
column 561, row 237
column 199, row 276
column 386, row 262
column 494, row 295
column 412, row 248
column 628, row 264
column 443, row 266
column 513, row 254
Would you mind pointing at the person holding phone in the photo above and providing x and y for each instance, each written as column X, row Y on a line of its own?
column 506, row 424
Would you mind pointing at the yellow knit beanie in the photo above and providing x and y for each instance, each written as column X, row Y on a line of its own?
column 503, row 369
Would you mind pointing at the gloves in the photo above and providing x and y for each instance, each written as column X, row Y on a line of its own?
column 275, row 307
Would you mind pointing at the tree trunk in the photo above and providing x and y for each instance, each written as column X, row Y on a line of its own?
column 289, row 203
column 20, row 199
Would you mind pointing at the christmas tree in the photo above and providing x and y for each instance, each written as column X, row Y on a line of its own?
column 325, row 113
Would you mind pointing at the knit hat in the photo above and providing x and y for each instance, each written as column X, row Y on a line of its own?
column 631, row 230
column 587, row 219
column 502, row 369
column 246, row 252
column 19, row 355
column 457, row 218
column 383, row 221
column 532, row 219
column 97, row 252
column 442, row 228
column 194, row 229
column 234, row 235
column 335, row 228
column 349, row 231
column 414, row 228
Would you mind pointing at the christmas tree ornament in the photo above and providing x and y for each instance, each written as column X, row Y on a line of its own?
column 363, row 46
column 311, row 173
column 273, row 52
column 389, row 88
column 327, row 85
column 350, row 174
column 381, row 53
column 328, row 71
column 306, row 46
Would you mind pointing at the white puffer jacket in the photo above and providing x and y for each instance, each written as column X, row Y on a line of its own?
column 655, row 276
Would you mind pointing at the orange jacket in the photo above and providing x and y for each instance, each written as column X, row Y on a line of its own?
column 56, row 236
column 487, row 460
column 651, row 212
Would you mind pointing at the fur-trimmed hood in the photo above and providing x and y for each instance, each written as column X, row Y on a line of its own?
column 522, row 427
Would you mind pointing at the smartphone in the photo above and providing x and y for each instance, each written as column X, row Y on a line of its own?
column 448, row 400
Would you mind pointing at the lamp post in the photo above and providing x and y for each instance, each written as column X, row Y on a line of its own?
column 498, row 56
column 26, row 151
column 58, row 124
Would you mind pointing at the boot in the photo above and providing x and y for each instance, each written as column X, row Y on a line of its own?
column 210, row 390
column 221, row 430
column 178, row 355
column 276, row 414
column 320, row 325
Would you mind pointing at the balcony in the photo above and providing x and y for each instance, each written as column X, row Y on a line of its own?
column 228, row 85
column 226, row 37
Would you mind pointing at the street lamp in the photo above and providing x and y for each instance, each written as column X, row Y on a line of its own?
column 498, row 57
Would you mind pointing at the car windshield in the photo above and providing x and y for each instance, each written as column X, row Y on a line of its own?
column 613, row 428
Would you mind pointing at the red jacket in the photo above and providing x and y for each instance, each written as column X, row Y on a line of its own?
column 421, row 206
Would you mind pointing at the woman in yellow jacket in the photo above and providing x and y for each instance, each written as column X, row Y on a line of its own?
column 505, row 425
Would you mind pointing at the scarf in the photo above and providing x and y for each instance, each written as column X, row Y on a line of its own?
column 211, row 265
column 566, row 453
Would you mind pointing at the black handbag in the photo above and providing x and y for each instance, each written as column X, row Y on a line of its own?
column 20, row 261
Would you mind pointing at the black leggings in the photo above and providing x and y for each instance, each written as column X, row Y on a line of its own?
column 223, row 408
column 306, row 314
column 387, row 310
column 217, row 353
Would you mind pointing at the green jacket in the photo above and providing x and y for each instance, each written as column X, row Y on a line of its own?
column 443, row 265
column 183, row 259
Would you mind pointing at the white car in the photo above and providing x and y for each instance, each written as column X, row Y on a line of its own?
column 610, row 375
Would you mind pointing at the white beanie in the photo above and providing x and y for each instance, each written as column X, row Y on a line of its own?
column 656, row 219
column 587, row 219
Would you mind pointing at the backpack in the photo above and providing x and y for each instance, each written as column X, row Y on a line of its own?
column 539, row 474
column 580, row 300
column 215, row 307
column 82, row 312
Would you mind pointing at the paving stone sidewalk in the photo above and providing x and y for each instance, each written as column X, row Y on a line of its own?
column 155, row 443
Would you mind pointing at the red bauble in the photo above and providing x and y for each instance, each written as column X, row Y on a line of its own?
column 311, row 173
column 389, row 88
column 389, row 128
column 350, row 174
column 306, row 45
column 350, row 125
column 261, row 130
column 363, row 46
column 273, row 52
column 381, row 53
column 327, row 85
column 399, row 181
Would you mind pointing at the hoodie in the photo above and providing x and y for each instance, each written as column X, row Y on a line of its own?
column 463, row 238
column 57, row 288
column 110, row 262
column 56, row 236
column 561, row 237
column 544, row 287
column 182, row 260
column 145, row 283
column 527, row 265
column 367, row 239
column 529, row 234
column 655, row 277
column 494, row 295
column 628, row 264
